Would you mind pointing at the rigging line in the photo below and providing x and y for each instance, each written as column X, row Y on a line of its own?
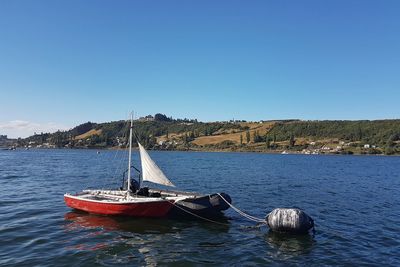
column 136, row 135
column 249, row 217
column 118, row 161
column 115, row 160
column 200, row 217
column 115, row 156
column 122, row 159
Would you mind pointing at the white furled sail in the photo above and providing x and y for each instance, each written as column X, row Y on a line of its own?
column 150, row 171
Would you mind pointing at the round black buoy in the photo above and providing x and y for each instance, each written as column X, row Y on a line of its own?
column 289, row 220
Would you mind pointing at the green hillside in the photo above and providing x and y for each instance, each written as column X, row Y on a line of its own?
column 291, row 136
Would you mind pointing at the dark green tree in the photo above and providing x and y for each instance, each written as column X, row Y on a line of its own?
column 389, row 150
column 267, row 142
column 247, row 136
column 161, row 117
column 292, row 141
column 257, row 137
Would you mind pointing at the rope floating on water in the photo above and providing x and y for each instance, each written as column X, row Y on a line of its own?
column 200, row 217
column 290, row 220
column 247, row 216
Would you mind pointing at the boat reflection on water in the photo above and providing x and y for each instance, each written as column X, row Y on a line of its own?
column 286, row 245
column 80, row 219
column 135, row 241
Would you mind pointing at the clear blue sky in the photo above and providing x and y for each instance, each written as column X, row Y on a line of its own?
column 66, row 62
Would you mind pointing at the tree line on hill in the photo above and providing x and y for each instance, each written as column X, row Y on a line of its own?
column 115, row 133
column 384, row 134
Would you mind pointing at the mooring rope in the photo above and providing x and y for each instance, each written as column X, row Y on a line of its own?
column 247, row 216
column 200, row 217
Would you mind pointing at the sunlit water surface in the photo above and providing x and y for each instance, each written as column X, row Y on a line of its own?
column 354, row 200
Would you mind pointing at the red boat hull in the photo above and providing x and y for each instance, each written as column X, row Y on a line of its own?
column 143, row 209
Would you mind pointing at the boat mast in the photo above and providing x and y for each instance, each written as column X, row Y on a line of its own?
column 130, row 155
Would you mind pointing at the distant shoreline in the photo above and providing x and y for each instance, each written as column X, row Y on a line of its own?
column 271, row 137
column 199, row 151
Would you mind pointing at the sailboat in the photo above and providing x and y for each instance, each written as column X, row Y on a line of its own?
column 138, row 201
column 120, row 202
column 185, row 203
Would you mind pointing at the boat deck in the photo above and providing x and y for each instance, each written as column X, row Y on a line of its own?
column 113, row 196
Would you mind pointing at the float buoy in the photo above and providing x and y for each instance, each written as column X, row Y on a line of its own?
column 289, row 220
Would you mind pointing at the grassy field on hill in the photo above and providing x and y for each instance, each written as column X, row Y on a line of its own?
column 291, row 136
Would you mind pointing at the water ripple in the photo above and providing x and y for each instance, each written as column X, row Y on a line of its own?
column 354, row 201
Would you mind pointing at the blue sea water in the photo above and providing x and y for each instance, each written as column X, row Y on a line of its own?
column 354, row 200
